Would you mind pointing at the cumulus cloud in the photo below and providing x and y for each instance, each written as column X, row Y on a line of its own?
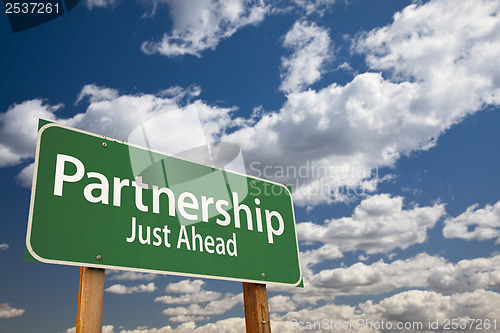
column 324, row 252
column 379, row 224
column 336, row 313
column 7, row 311
column 309, row 258
column 130, row 276
column 4, row 246
column 460, row 41
column 466, row 275
column 96, row 94
column 116, row 116
column 340, row 135
column 413, row 307
column 422, row 306
column 378, row 277
column 178, row 93
column 122, row 290
column 201, row 25
column 475, row 224
column 199, row 297
column 18, row 130
column 315, row 6
column 112, row 116
column 185, row 286
column 311, row 50
column 192, row 293
column 105, row 329
column 328, row 144
column 422, row 271
column 229, row 325
column 281, row 303
column 25, row 177
column 196, row 312
column 434, row 65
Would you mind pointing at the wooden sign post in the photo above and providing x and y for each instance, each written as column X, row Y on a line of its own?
column 90, row 295
column 256, row 308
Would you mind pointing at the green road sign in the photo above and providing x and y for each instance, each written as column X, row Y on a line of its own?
column 100, row 202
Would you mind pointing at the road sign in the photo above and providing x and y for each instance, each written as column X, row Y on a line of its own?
column 100, row 202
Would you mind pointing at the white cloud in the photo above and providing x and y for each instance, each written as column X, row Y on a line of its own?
column 413, row 306
column 198, row 297
column 178, row 93
column 196, row 312
column 325, row 252
column 130, row 276
column 185, row 287
column 310, row 258
column 281, row 303
column 192, row 293
column 25, row 177
column 18, row 130
column 422, row 271
column 100, row 3
column 96, row 94
column 115, row 116
column 479, row 273
column 229, row 325
column 122, row 290
column 376, row 278
column 4, row 246
column 315, row 6
column 422, row 306
column 330, row 312
column 439, row 41
column 340, row 135
column 379, row 224
column 108, row 329
column 311, row 50
column 200, row 25
column 7, row 311
column 105, row 329
column 187, row 318
column 442, row 64
column 475, row 224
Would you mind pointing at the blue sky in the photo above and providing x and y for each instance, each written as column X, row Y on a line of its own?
column 396, row 102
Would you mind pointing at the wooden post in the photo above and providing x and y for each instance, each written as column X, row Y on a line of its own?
column 256, row 308
column 90, row 295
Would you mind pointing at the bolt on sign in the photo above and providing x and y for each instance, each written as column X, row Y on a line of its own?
column 90, row 206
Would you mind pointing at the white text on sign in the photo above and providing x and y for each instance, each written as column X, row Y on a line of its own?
column 185, row 201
